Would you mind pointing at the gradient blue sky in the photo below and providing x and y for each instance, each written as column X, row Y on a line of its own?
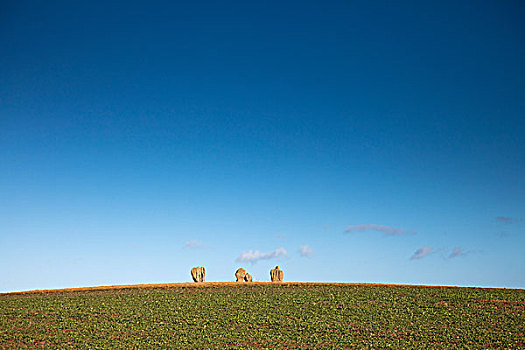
column 349, row 141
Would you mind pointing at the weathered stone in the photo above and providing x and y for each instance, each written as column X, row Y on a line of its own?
column 248, row 278
column 198, row 274
column 276, row 274
column 239, row 274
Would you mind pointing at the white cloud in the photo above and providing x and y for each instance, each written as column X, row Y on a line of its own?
column 387, row 230
column 507, row 220
column 457, row 252
column 255, row 255
column 421, row 253
column 193, row 244
column 306, row 251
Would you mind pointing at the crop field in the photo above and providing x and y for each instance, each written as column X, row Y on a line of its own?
column 267, row 316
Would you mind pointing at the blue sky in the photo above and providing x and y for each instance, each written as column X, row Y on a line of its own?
column 343, row 141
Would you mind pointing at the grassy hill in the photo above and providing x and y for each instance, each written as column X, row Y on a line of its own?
column 264, row 315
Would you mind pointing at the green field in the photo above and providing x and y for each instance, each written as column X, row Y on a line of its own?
column 282, row 316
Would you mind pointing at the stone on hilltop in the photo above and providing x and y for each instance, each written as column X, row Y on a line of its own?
column 248, row 278
column 276, row 274
column 239, row 274
column 198, row 274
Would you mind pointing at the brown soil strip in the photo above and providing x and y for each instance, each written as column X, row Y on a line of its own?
column 229, row 284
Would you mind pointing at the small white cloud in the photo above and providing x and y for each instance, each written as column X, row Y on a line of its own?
column 421, row 253
column 306, row 251
column 193, row 244
column 457, row 252
column 280, row 236
column 255, row 255
column 507, row 220
column 387, row 230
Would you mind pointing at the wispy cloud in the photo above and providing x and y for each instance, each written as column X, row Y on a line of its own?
column 387, row 230
column 280, row 236
column 193, row 244
column 306, row 251
column 255, row 255
column 421, row 253
column 457, row 252
column 507, row 220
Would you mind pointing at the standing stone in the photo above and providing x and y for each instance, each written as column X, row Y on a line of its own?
column 276, row 274
column 248, row 278
column 198, row 273
column 239, row 274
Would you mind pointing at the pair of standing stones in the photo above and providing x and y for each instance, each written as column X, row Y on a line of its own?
column 198, row 274
column 242, row 276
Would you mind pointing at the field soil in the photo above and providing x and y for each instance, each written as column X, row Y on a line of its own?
column 290, row 315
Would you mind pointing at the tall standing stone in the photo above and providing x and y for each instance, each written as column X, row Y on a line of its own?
column 239, row 274
column 198, row 274
column 276, row 274
column 248, row 278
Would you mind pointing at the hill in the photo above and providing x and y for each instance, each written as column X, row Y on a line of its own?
column 263, row 315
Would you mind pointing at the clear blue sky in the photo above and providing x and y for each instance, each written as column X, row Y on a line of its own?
column 347, row 141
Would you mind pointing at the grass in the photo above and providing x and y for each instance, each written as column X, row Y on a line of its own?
column 292, row 316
